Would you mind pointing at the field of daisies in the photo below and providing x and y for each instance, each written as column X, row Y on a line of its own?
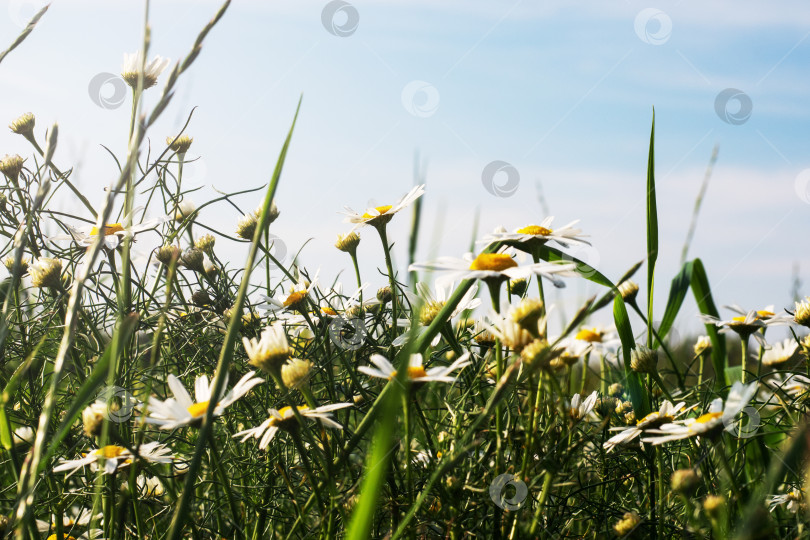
column 185, row 395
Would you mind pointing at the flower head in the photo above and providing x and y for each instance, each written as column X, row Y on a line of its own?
column 579, row 409
column 24, row 125
column 11, row 166
column 494, row 266
column 131, row 70
column 181, row 410
column 780, row 352
column 113, row 457
column 179, row 144
column 542, row 233
column 46, row 272
column 416, row 370
column 664, row 415
column 286, row 419
column 270, row 352
column 381, row 215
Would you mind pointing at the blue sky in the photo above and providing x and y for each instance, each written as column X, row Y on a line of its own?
column 563, row 91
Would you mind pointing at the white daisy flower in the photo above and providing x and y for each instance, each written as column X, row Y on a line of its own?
column 151, row 71
column 114, row 233
column 601, row 339
column 494, row 266
column 113, row 457
column 80, row 517
column 579, row 409
column 382, row 214
column 296, row 299
column 793, row 500
column 748, row 322
column 710, row 423
column 285, row 419
column 181, row 410
column 664, row 415
column 270, row 351
column 780, row 352
column 148, row 487
column 564, row 235
column 24, row 435
column 416, row 370
column 794, row 385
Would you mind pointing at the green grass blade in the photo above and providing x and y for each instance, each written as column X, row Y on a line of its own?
column 652, row 232
column 639, row 398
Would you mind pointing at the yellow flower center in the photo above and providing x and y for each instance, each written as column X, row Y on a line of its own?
column 110, row 452
column 651, row 416
column 535, row 230
column 496, row 262
column 295, row 298
column 591, row 336
column 416, row 372
column 55, row 537
column 198, row 409
column 380, row 209
column 763, row 314
column 110, row 228
column 329, row 311
column 708, row 417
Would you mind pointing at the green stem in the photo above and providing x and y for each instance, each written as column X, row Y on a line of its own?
column 391, row 278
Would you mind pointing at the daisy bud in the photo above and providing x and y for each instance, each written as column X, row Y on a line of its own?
column 46, row 273
column 527, row 314
column 518, row 286
column 211, row 270
column 643, row 360
column 450, row 356
column 295, row 372
column 384, row 294
column 11, row 166
column 205, row 243
column 246, row 226
column 536, row 354
column 627, row 524
column 166, row 254
column 180, row 144
column 357, row 399
column 201, row 298
column 615, row 390
column 802, row 312
column 193, row 259
column 24, row 434
column 3, row 201
column 605, row 406
column 482, row 335
column 274, row 213
column 703, row 345
column 630, row 418
column 348, row 242
column 9, row 264
column 684, row 482
column 24, row 125
column 3, row 525
column 623, row 407
column 628, row 289
column 93, row 419
column 270, row 352
column 184, row 209
column 714, row 506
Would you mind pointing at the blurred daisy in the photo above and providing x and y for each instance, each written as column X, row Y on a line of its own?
column 794, row 385
column 114, row 233
column 664, row 415
column 381, row 215
column 24, row 435
column 579, row 409
column 511, row 333
column 601, row 339
column 793, row 500
column 112, row 458
column 285, row 419
column 711, row 423
column 77, row 517
column 148, row 487
column 747, row 323
column 542, row 233
column 131, row 69
column 270, row 351
column 494, row 266
column 181, row 410
column 296, row 299
column 780, row 352
column 416, row 370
